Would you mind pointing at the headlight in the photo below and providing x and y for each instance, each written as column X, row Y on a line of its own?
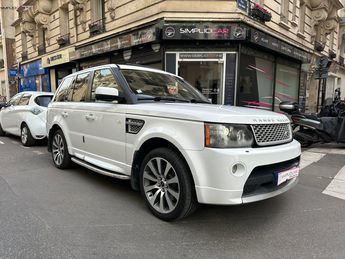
column 228, row 136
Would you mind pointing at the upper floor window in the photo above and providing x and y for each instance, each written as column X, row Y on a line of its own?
column 331, row 41
column 64, row 37
column 41, row 40
column 97, row 17
column 103, row 78
column 302, row 10
column 284, row 14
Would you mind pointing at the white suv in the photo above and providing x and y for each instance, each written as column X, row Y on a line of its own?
column 155, row 129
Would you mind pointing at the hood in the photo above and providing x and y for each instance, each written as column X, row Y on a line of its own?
column 207, row 113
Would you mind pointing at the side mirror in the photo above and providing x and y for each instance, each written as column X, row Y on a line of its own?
column 4, row 105
column 107, row 94
column 288, row 107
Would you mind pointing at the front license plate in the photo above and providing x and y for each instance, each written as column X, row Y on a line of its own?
column 287, row 175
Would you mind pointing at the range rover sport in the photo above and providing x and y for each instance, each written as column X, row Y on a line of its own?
column 159, row 132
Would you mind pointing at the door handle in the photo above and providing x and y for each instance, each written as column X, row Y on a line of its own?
column 90, row 117
column 64, row 114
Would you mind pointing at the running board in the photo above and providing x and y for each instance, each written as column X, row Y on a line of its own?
column 99, row 170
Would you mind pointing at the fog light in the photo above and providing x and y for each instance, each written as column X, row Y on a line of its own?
column 238, row 169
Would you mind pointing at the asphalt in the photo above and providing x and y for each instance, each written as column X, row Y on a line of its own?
column 49, row 213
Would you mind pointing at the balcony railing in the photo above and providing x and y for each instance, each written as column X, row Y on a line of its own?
column 341, row 61
column 97, row 27
column 63, row 40
column 41, row 49
column 24, row 55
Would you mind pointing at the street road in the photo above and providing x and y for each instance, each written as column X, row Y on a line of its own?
column 49, row 213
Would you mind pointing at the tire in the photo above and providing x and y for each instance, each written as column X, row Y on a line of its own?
column 2, row 132
column 26, row 137
column 168, row 189
column 60, row 155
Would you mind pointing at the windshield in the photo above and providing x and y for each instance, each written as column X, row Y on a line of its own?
column 148, row 84
column 43, row 100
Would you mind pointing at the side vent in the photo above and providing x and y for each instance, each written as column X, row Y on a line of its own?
column 133, row 126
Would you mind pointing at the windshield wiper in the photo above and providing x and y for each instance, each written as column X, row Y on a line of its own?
column 162, row 98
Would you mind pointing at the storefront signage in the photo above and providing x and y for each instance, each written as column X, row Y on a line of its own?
column 243, row 5
column 32, row 69
column 200, row 55
column 94, row 62
column 57, row 58
column 272, row 43
column 12, row 72
column 203, row 31
column 33, row 77
column 124, row 41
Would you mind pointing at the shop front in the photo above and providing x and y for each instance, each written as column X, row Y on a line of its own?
column 33, row 77
column 59, row 65
column 212, row 73
column 234, row 64
column 230, row 63
column 135, row 47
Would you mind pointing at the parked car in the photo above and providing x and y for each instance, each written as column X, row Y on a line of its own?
column 179, row 150
column 2, row 104
column 24, row 115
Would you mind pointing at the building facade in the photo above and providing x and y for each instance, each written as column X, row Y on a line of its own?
column 8, row 71
column 246, row 53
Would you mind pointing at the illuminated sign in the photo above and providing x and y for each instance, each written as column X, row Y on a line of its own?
column 204, row 31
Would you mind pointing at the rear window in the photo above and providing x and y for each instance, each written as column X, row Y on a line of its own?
column 43, row 100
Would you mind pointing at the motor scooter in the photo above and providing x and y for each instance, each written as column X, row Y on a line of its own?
column 311, row 128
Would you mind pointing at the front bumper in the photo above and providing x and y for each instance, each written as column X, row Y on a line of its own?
column 215, row 182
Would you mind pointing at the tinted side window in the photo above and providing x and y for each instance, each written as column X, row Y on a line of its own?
column 43, row 100
column 15, row 99
column 103, row 78
column 80, row 87
column 25, row 99
column 65, row 90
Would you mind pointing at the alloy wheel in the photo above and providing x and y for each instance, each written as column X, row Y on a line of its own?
column 58, row 149
column 24, row 135
column 161, row 185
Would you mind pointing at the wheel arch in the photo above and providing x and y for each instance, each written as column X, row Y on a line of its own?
column 145, row 148
column 52, row 130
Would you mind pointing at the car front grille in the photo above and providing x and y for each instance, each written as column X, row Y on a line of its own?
column 272, row 134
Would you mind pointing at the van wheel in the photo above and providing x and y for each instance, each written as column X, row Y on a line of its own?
column 26, row 137
column 2, row 132
column 60, row 155
column 166, row 185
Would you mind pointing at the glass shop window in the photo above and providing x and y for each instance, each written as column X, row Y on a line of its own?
column 255, row 81
column 287, row 82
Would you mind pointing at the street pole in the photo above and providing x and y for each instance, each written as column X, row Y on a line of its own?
column 324, row 81
column 318, row 96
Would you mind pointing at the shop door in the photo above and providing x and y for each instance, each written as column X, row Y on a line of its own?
column 206, row 76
